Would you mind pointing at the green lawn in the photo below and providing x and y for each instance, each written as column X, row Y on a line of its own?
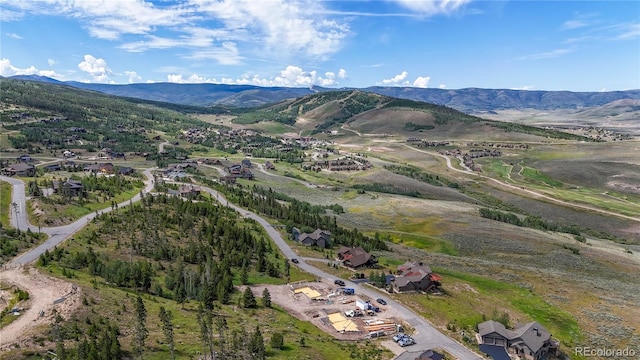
column 535, row 176
column 470, row 297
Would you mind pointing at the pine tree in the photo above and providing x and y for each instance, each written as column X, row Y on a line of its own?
column 256, row 346
column 140, row 330
column 249, row 301
column 244, row 275
column 277, row 341
column 266, row 298
column 167, row 329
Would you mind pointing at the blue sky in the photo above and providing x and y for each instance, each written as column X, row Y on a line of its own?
column 536, row 45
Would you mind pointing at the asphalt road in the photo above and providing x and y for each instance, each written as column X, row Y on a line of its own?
column 426, row 336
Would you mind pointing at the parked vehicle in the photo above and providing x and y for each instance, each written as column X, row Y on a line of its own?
column 348, row 291
column 398, row 337
column 406, row 342
column 375, row 334
column 339, row 282
column 295, row 261
column 381, row 301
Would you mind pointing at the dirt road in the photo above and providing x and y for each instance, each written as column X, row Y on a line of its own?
column 43, row 291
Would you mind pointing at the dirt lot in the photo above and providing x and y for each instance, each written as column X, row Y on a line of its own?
column 303, row 308
column 43, row 291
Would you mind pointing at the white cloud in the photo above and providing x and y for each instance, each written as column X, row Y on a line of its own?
column 14, row 35
column 227, row 54
column 630, row 31
column 133, row 76
column 525, row 87
column 442, row 86
column 284, row 27
column 574, row 24
column 433, row 7
column 398, row 80
column 193, row 79
column 342, row 74
column 109, row 19
column 546, row 55
column 278, row 30
column 51, row 62
column 97, row 68
column 6, row 69
column 422, row 82
column 291, row 76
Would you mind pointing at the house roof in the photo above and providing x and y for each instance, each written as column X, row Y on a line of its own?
column 412, row 266
column 430, row 355
column 532, row 335
column 493, row 326
column 317, row 234
column 20, row 167
column 359, row 260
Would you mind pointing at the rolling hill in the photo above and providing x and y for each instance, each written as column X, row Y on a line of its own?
column 362, row 112
column 469, row 100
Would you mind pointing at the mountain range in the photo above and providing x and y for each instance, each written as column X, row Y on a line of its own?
column 468, row 100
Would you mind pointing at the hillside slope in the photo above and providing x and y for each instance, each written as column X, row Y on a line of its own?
column 469, row 100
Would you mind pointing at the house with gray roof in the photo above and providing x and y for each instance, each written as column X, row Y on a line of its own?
column 19, row 169
column 530, row 341
column 320, row 238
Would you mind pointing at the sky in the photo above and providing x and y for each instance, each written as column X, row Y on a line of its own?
column 450, row 44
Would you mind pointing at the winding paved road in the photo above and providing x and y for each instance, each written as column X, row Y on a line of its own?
column 426, row 336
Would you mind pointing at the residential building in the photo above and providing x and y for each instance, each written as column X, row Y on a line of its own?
column 414, row 276
column 26, row 158
column 19, row 169
column 356, row 257
column 319, row 238
column 74, row 187
column 105, row 168
column 125, row 170
column 530, row 341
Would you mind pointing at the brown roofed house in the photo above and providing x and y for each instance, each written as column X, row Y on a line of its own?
column 416, row 277
column 356, row 257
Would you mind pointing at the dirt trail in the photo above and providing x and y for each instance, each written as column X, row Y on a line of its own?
column 43, row 291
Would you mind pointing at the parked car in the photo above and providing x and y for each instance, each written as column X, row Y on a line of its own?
column 399, row 336
column 295, row 261
column 381, row 301
column 339, row 282
column 406, row 342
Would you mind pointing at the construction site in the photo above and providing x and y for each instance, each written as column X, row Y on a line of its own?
column 337, row 310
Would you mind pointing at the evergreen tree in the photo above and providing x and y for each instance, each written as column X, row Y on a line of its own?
column 140, row 331
column 277, row 341
column 167, row 329
column 266, row 298
column 248, row 300
column 61, row 352
column 244, row 274
column 256, row 346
